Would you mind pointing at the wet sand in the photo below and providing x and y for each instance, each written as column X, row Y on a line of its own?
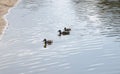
column 5, row 5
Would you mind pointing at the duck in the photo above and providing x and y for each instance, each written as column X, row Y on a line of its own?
column 49, row 42
column 67, row 29
column 63, row 33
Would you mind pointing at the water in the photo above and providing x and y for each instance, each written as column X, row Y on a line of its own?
column 93, row 45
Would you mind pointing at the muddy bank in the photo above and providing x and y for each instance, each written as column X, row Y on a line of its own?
column 5, row 5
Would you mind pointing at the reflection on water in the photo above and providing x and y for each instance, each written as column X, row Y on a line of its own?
column 92, row 46
column 112, row 27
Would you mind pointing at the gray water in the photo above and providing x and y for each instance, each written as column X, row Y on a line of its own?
column 93, row 46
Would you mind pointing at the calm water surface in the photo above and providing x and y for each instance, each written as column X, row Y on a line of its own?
column 93, row 47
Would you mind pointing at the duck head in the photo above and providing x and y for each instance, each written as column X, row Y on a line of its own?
column 64, row 28
column 44, row 40
column 59, row 30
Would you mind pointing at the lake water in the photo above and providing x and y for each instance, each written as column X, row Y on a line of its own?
column 93, row 46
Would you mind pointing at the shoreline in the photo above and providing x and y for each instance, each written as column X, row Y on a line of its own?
column 5, row 8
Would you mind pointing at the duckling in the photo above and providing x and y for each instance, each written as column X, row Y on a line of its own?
column 63, row 33
column 49, row 42
column 67, row 29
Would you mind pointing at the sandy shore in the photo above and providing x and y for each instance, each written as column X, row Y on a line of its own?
column 5, row 5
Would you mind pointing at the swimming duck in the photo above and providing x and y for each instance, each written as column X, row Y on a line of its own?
column 49, row 42
column 67, row 29
column 64, row 32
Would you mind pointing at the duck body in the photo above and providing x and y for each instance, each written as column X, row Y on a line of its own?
column 67, row 29
column 64, row 32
